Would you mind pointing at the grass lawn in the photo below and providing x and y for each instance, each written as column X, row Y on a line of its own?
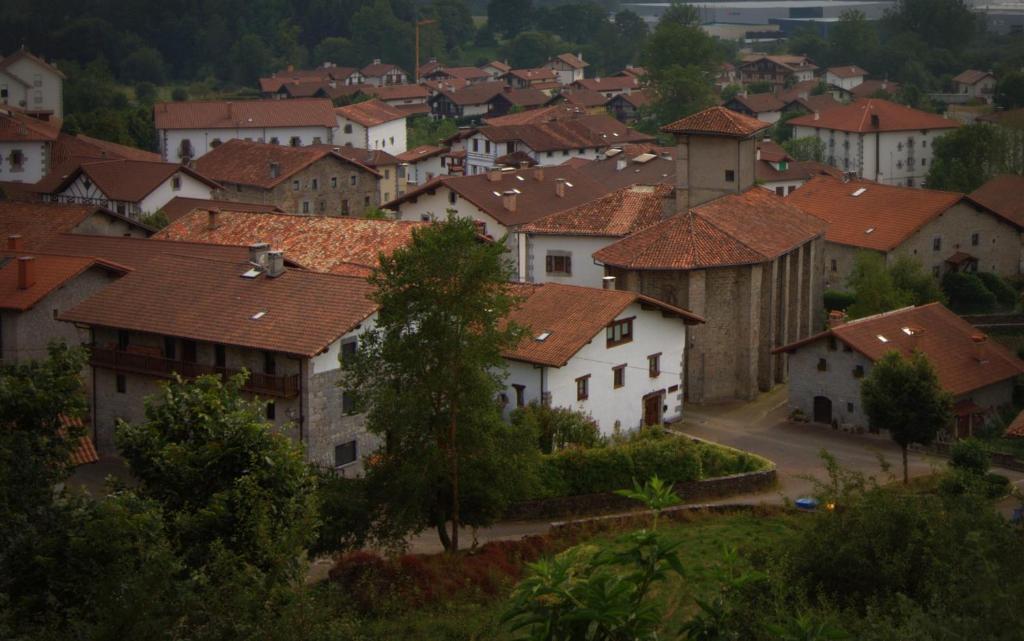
column 702, row 540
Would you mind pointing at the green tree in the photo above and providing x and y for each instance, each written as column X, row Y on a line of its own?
column 967, row 293
column 335, row 49
column 430, row 373
column 903, row 395
column 509, row 18
column 454, row 20
column 427, row 131
column 1010, row 90
column 970, row 156
column 807, row 42
column 731, row 91
column 557, row 427
column 807, row 148
column 852, row 40
column 250, row 59
column 144, row 64
column 530, row 49
column 944, row 24
column 873, row 286
column 226, row 480
column 919, row 286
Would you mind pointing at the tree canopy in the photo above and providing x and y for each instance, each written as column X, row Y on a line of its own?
column 968, row 157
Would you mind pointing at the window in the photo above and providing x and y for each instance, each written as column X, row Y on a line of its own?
column 975, row 239
column 487, row 146
column 121, row 209
column 215, row 143
column 583, row 388
column 220, row 357
column 345, row 454
column 123, row 338
column 3, row 91
column 321, row 206
column 366, row 201
column 122, row 384
column 296, row 185
column 565, row 152
column 654, row 365
column 551, row 154
column 391, row 140
column 17, row 160
column 295, row 141
column 274, row 140
column 910, row 182
column 453, row 197
column 520, row 395
column 348, row 350
column 170, row 348
column 176, row 183
column 780, row 191
column 835, row 265
column 935, row 271
column 791, row 189
column 317, row 140
column 730, row 176
column 352, row 180
column 858, row 371
column 344, row 207
column 833, row 345
column 37, row 80
column 315, row 184
column 849, row 408
column 937, row 243
column 271, row 411
column 476, row 145
column 556, row 264
column 188, row 351
column 269, row 363
column 334, row 182
column 387, row 173
column 305, row 206
column 619, row 332
column 348, row 128
column 924, row 162
column 822, row 365
column 618, row 376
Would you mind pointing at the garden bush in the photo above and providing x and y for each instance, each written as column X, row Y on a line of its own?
column 969, row 455
column 1005, row 294
column 557, row 427
column 967, row 293
column 836, row 300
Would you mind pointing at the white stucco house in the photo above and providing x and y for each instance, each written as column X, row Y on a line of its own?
column 26, row 146
column 380, row 74
column 187, row 130
column 568, row 67
column 32, row 84
column 372, row 124
column 976, row 84
column 559, row 247
column 846, row 76
column 612, row 354
column 877, row 139
column 423, row 164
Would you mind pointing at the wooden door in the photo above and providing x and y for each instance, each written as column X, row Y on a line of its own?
column 652, row 409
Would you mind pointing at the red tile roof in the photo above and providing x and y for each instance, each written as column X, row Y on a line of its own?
column 613, row 83
column 232, row 114
column 399, row 92
column 796, row 170
column 717, row 121
column 16, row 126
column 869, row 88
column 847, row 71
column 500, row 66
column 760, row 102
column 791, row 62
column 38, row 222
column 526, row 97
column 581, row 132
column 816, row 104
column 633, row 165
column 80, row 147
column 321, row 243
column 752, row 227
column 971, row 77
column 370, row 113
column 475, row 94
column 242, row 162
column 379, row 69
column 638, row 98
column 466, row 73
column 303, row 312
column 51, row 272
column 421, row 152
column 179, row 206
column 84, row 451
column 138, row 253
column 619, row 213
column 7, row 61
column 879, row 217
column 582, row 98
column 533, row 75
column 1016, row 427
column 859, row 117
column 571, row 60
column 372, row 158
column 536, row 116
column 572, row 316
column 124, row 180
column 1004, row 195
column 948, row 341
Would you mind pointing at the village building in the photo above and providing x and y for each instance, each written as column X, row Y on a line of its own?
column 616, row 356
column 558, row 248
column 132, row 188
column 423, row 164
column 778, row 70
column 380, row 74
column 633, row 164
column 496, row 69
column 1002, row 194
column 733, row 253
column 777, row 171
column 188, row 130
column 877, row 139
column 568, row 67
column 179, row 206
column 876, row 89
column 30, row 83
column 372, row 124
column 328, row 75
column 391, row 183
column 945, row 231
column 977, row 85
column 826, row 370
column 26, row 146
column 846, row 76
column 469, row 75
column 523, row 78
column 467, row 102
column 409, row 99
column 302, row 180
column 763, row 106
column 584, row 100
column 38, row 223
column 626, row 107
column 609, row 87
column 516, row 100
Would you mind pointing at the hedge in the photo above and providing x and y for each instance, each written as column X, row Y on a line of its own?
column 576, row 471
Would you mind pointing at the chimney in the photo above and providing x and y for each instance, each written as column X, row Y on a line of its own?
column 524, row 164
column 376, row 61
column 26, row 272
column 757, row 153
column 508, row 200
column 560, row 187
column 538, row 173
column 14, row 243
column 817, row 116
column 874, row 121
column 668, row 207
column 494, row 174
column 258, row 254
column 212, row 216
column 275, row 169
column 608, row 282
column 621, row 164
column 979, row 347
column 275, row 263
column 836, row 318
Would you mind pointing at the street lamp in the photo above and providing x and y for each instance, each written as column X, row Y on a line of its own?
column 416, row 69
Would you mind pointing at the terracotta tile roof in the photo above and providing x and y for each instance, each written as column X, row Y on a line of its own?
column 847, row 71
column 84, row 452
column 760, row 102
column 370, row 113
column 399, row 92
column 421, row 152
column 1016, row 427
column 535, row 116
column 305, row 89
column 137, row 253
column 476, row 94
column 577, row 162
column 791, row 62
column 971, row 77
column 217, row 114
column 860, row 116
column 639, row 72
column 632, row 166
column 616, row 214
column 419, row 109
column 752, row 227
column 534, row 75
column 81, row 147
column 242, row 162
column 18, row 191
column 880, row 217
column 869, row 88
column 572, row 316
column 16, row 126
column 816, row 104
column 638, row 98
column 796, row 170
column 500, row 66
column 583, row 98
column 1005, row 196
column 467, row 73
column 348, row 91
column 571, row 60
column 179, row 206
column 948, row 341
column 800, row 89
column 1008, row 118
column 38, row 222
column 320, row 243
column 576, row 133
column 446, row 84
column 526, row 97
column 378, row 69
column 717, row 121
column 124, row 180
column 371, row 158
column 772, row 151
column 614, row 83
column 303, row 312
column 537, row 198
column 51, row 272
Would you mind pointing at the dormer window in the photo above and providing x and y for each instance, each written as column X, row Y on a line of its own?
column 619, row 332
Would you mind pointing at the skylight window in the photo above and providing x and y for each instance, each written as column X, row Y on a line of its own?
column 520, row 178
column 869, row 230
column 568, row 184
column 859, row 191
column 907, row 331
column 543, row 336
column 252, row 273
column 258, row 315
column 883, row 338
column 497, row 193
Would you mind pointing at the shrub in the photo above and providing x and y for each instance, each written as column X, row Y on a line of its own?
column 1005, row 294
column 969, row 455
column 179, row 94
column 967, row 293
column 557, row 427
column 837, row 300
column 996, row 485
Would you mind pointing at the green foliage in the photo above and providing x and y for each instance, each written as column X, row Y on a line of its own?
column 873, row 287
column 557, row 427
column 179, row 94
column 909, row 276
column 345, row 513
column 681, row 61
column 335, row 49
column 430, row 372
column 969, row 455
column 454, row 20
column 943, row 24
column 1010, row 90
column 731, row 91
column 967, row 293
column 227, row 481
column 853, row 37
column 509, row 18
column 156, row 220
column 145, row 93
column 530, row 49
column 144, row 64
column 968, row 157
column 1006, row 295
column 427, row 131
column 836, row 300
column 903, row 395
column 807, row 148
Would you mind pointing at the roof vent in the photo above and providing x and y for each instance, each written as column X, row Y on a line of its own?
column 258, row 254
column 26, row 272
column 644, row 158
column 508, row 199
column 608, row 282
column 275, row 263
column 14, row 243
column 560, row 187
column 859, row 192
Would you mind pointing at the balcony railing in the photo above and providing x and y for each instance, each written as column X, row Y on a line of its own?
column 263, row 384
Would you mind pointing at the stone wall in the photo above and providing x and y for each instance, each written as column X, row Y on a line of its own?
column 327, row 426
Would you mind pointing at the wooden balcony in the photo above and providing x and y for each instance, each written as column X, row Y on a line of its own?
column 122, row 361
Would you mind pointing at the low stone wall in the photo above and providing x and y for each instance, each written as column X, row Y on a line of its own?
column 608, row 502
column 683, row 513
column 1005, row 461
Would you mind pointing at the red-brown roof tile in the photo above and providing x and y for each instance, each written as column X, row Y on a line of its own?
column 125, row 180
column 232, row 114
column 571, row 60
column 379, row 69
column 84, row 452
column 534, row 75
column 421, row 152
column 860, row 116
column 1005, row 196
column 80, row 147
column 717, row 121
column 179, row 206
column 7, row 61
column 971, row 77
column 847, row 71
column 16, row 126
column 582, row 98
column 760, row 102
column 948, row 342
column 399, row 92
column 137, row 253
column 51, row 272
column 38, row 222
column 475, row 94
column 869, row 88
column 1016, row 427
column 370, row 113
column 242, row 162
column 525, row 98
column 613, row 83
column 572, row 316
column 619, row 213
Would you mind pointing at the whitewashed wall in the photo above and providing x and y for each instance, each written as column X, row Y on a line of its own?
column 170, row 139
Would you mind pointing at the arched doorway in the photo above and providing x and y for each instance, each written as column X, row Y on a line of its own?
column 822, row 409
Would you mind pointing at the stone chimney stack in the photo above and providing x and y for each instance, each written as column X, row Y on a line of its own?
column 979, row 347
column 560, row 187
column 26, row 271
column 14, row 243
column 682, row 173
column 608, row 282
column 494, row 174
column 836, row 317
column 275, row 169
column 508, row 200
column 538, row 173
column 212, row 218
